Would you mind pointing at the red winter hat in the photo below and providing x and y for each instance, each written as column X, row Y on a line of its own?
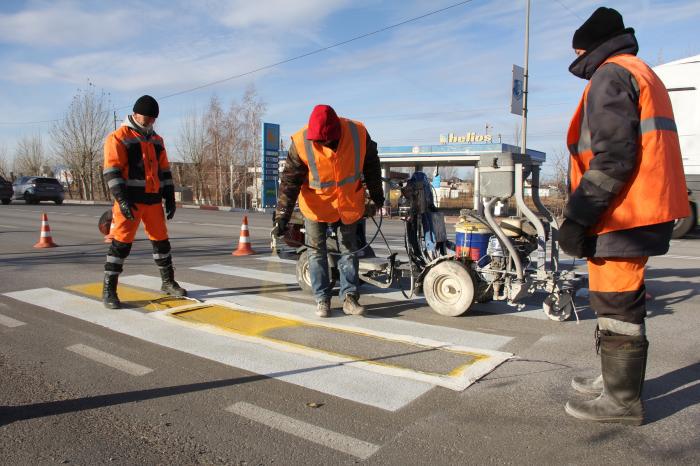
column 324, row 124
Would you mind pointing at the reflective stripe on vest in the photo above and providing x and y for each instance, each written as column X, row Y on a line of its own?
column 315, row 181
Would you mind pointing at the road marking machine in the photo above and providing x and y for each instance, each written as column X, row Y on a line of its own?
column 492, row 258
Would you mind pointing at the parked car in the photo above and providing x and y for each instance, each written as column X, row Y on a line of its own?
column 5, row 191
column 34, row 189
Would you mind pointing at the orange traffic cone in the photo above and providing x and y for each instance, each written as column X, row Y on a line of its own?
column 244, row 248
column 45, row 241
column 110, row 236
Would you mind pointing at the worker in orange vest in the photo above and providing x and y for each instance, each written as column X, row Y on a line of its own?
column 627, row 188
column 137, row 172
column 325, row 167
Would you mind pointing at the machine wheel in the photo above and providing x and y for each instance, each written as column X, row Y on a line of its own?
column 6, row 201
column 303, row 277
column 449, row 288
column 683, row 226
column 558, row 306
column 58, row 201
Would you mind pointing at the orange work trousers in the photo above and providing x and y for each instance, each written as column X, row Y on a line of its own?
column 616, row 288
column 153, row 219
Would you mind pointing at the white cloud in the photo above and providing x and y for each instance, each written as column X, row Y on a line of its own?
column 269, row 13
column 154, row 71
column 63, row 24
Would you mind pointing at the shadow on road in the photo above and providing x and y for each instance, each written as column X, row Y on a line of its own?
column 672, row 392
column 672, row 291
column 10, row 414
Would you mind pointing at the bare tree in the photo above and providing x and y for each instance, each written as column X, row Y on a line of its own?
column 192, row 145
column 559, row 163
column 30, row 157
column 253, row 109
column 4, row 163
column 79, row 137
column 237, row 169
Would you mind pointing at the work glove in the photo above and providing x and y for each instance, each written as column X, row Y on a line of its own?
column 125, row 207
column 572, row 238
column 281, row 226
column 378, row 200
column 169, row 208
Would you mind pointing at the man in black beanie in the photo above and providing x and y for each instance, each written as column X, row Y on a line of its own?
column 627, row 188
column 137, row 171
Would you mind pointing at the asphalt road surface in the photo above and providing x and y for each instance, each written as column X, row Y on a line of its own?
column 248, row 375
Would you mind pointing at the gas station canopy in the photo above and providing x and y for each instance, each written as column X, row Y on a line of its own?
column 463, row 155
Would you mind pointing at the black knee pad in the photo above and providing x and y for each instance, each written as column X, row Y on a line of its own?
column 116, row 254
column 119, row 249
column 161, row 247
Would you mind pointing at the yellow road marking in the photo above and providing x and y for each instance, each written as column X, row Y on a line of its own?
column 255, row 324
column 133, row 297
column 242, row 322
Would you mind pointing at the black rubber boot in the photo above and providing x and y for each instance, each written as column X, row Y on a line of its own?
column 109, row 292
column 623, row 362
column 588, row 385
column 170, row 286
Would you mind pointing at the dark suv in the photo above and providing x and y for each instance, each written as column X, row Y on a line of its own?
column 34, row 189
column 5, row 191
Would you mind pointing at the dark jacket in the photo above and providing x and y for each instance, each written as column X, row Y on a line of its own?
column 613, row 118
column 296, row 173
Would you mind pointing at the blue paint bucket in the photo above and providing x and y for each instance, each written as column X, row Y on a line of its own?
column 471, row 240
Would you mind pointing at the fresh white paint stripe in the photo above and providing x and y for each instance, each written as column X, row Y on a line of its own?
column 10, row 322
column 671, row 256
column 276, row 259
column 307, row 311
column 276, row 277
column 352, row 383
column 328, row 438
column 110, row 360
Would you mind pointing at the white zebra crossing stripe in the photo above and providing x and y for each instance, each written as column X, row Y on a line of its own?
column 304, row 430
column 352, row 383
column 275, row 277
column 110, row 360
column 10, row 322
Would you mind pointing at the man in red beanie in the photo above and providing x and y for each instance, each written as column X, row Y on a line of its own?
column 325, row 167
column 627, row 188
column 137, row 172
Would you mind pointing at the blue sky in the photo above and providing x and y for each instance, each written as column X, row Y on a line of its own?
column 449, row 72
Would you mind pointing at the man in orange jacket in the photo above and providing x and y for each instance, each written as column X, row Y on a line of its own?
column 627, row 188
column 137, row 172
column 327, row 162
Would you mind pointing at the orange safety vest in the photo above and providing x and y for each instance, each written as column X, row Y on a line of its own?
column 334, row 188
column 656, row 192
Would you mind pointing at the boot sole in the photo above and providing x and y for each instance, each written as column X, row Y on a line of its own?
column 175, row 295
column 112, row 306
column 631, row 421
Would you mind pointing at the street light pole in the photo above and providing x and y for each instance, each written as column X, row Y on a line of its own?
column 523, row 147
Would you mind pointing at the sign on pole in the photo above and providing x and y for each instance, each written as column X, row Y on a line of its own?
column 516, row 96
column 270, row 165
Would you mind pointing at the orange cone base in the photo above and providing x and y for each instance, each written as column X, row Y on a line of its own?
column 46, row 243
column 244, row 249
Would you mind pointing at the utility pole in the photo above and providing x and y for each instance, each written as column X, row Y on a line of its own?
column 115, row 120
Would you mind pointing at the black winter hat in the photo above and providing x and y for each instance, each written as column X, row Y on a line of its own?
column 146, row 105
column 603, row 24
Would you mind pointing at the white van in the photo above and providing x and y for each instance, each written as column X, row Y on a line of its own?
column 682, row 79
